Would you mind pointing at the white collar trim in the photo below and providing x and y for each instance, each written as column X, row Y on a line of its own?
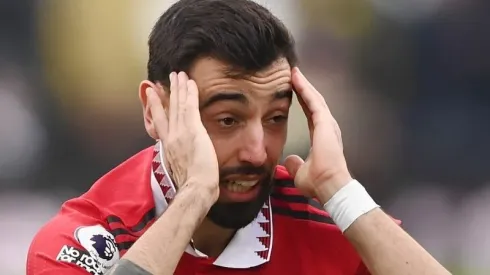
column 251, row 246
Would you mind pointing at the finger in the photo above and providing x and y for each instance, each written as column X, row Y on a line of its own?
column 307, row 114
column 160, row 121
column 303, row 81
column 338, row 133
column 193, row 101
column 173, row 105
column 292, row 164
column 313, row 100
column 182, row 95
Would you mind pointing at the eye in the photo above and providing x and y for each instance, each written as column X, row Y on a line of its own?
column 227, row 122
column 278, row 119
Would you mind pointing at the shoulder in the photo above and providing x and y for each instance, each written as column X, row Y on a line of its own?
column 74, row 244
column 304, row 223
column 89, row 232
column 287, row 200
column 306, row 215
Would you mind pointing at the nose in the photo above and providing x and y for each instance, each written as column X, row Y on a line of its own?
column 253, row 148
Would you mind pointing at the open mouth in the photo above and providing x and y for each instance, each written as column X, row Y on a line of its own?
column 240, row 190
column 240, row 186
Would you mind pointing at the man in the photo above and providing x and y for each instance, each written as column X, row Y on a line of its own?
column 209, row 198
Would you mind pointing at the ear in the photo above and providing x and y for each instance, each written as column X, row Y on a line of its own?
column 147, row 116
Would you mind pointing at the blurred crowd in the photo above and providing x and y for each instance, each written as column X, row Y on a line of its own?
column 406, row 79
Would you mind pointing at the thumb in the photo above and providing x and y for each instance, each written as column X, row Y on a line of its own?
column 292, row 164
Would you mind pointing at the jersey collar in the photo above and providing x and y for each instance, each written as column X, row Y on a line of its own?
column 251, row 246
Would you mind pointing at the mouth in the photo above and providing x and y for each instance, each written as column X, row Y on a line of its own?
column 240, row 186
column 240, row 190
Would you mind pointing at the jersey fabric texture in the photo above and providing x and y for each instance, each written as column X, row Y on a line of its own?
column 292, row 234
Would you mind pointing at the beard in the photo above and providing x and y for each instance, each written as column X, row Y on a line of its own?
column 236, row 215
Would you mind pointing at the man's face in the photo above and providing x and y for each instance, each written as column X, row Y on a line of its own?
column 246, row 119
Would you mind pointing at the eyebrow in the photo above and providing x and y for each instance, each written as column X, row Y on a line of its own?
column 241, row 98
column 283, row 94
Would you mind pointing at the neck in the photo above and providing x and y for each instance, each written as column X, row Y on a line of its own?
column 212, row 239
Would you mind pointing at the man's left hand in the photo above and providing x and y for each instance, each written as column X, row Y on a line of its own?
column 325, row 170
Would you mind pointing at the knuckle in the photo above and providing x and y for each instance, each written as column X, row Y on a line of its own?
column 183, row 104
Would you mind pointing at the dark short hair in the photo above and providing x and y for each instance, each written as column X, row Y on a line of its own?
column 240, row 33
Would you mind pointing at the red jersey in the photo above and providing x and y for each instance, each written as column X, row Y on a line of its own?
column 291, row 234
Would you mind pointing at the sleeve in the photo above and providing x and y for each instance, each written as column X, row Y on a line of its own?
column 65, row 246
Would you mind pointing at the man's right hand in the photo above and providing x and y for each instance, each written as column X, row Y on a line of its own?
column 192, row 159
column 187, row 145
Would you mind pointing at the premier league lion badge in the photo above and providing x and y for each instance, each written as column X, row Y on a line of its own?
column 100, row 244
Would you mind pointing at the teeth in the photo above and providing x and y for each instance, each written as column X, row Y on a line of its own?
column 240, row 186
column 247, row 183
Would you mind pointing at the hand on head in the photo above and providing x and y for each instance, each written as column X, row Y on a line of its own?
column 187, row 146
column 325, row 168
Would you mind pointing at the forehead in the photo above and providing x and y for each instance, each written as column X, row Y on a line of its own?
column 211, row 76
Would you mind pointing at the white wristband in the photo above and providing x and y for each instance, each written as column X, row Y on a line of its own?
column 348, row 204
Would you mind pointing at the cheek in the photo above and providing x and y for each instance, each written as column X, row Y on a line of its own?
column 226, row 147
column 274, row 142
